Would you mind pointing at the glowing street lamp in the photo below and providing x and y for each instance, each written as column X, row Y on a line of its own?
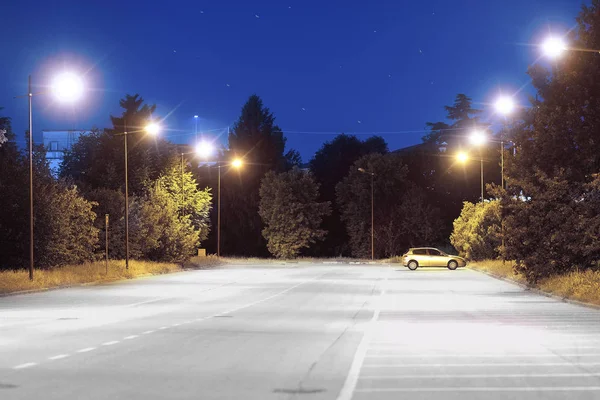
column 553, row 47
column 153, row 129
column 66, row 87
column 462, row 157
column 204, row 149
column 505, row 105
column 237, row 163
column 477, row 138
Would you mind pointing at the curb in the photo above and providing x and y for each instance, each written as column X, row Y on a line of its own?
column 538, row 291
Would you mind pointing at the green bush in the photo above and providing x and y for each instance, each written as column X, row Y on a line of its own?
column 477, row 231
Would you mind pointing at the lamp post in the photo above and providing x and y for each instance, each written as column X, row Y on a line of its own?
column 477, row 138
column 66, row 87
column 372, row 211
column 152, row 129
column 196, row 127
column 236, row 163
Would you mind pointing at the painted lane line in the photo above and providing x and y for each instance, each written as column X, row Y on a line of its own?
column 110, row 343
column 482, row 376
column 484, row 389
column 130, row 337
column 359, row 357
column 87, row 349
column 58, row 357
column 514, row 355
column 572, row 364
column 162, row 328
column 26, row 365
column 147, row 332
column 176, row 325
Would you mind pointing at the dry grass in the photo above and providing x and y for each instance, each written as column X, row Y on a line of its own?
column 579, row 285
column 95, row 272
column 498, row 268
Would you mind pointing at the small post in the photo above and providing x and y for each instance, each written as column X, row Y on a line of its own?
column 106, row 241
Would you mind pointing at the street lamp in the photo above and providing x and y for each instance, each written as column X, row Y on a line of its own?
column 237, row 164
column 372, row 211
column 478, row 139
column 462, row 157
column 66, row 87
column 196, row 128
column 204, row 150
column 553, row 47
column 151, row 129
column 504, row 106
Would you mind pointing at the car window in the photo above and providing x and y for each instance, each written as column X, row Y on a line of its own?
column 420, row 251
column 433, row 252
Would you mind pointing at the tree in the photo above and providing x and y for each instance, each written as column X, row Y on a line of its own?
column 260, row 143
column 477, row 234
column 159, row 233
column 291, row 212
column 552, row 205
column 330, row 164
column 97, row 159
column 402, row 217
column 190, row 201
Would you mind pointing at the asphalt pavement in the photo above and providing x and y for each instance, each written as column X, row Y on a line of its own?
column 299, row 331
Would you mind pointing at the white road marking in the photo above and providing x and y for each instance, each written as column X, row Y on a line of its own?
column 176, row 325
column 130, row 337
column 110, row 343
column 359, row 357
column 511, row 355
column 163, row 328
column 484, row 389
column 26, row 365
column 87, row 349
column 573, row 364
column 147, row 332
column 58, row 357
column 483, row 376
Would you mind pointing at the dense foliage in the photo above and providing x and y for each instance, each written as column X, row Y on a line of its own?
column 553, row 204
column 291, row 212
column 477, row 233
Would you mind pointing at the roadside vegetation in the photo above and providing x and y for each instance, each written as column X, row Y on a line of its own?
column 94, row 272
column 582, row 286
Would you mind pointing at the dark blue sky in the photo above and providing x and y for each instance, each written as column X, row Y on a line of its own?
column 322, row 67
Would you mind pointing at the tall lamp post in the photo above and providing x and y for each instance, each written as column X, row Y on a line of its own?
column 66, row 87
column 477, row 138
column 372, row 211
column 237, row 164
column 152, row 129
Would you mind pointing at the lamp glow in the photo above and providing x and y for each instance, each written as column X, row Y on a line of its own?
column 153, row 129
column 67, row 87
column 553, row 47
column 462, row 157
column 204, row 149
column 477, row 138
column 237, row 163
column 505, row 105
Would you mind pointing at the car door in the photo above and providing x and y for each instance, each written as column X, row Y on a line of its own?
column 421, row 256
column 436, row 259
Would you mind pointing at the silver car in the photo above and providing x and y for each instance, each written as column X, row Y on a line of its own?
column 430, row 257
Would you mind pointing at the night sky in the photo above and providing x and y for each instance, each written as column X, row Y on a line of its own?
column 322, row 67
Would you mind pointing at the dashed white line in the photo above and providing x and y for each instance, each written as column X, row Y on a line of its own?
column 110, row 343
column 147, row 332
column 483, row 376
column 130, row 337
column 58, row 357
column 484, row 389
column 175, row 325
column 26, row 365
column 87, row 349
column 438, row 365
column 162, row 328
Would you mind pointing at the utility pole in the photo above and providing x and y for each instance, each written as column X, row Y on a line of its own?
column 30, row 183
column 219, row 213
column 126, row 201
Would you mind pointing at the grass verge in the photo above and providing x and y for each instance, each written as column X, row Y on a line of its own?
column 94, row 272
column 582, row 286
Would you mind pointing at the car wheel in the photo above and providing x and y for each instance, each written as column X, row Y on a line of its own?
column 412, row 265
column 452, row 265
